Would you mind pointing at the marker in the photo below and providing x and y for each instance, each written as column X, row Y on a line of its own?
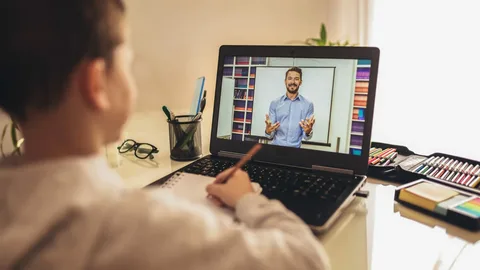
column 460, row 179
column 380, row 151
column 469, row 169
column 428, row 160
column 386, row 153
column 434, row 172
column 474, row 174
column 377, row 160
column 451, row 176
column 437, row 163
column 422, row 165
column 433, row 161
column 377, row 151
column 475, row 170
column 453, row 165
column 429, row 170
column 466, row 179
column 475, row 182
column 464, row 167
column 462, row 171
column 457, row 168
column 441, row 165
column 448, row 164
column 457, row 176
column 477, row 173
column 440, row 173
column 167, row 113
column 445, row 176
column 419, row 168
column 425, row 169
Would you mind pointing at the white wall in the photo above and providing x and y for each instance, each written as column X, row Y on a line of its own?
column 348, row 20
column 174, row 45
column 342, row 103
column 175, row 42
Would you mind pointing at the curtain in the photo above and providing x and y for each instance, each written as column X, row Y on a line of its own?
column 428, row 91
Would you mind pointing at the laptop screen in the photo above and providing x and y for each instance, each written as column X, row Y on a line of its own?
column 308, row 103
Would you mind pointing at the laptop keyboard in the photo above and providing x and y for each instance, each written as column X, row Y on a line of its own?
column 278, row 182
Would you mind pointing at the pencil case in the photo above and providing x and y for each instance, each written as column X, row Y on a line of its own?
column 457, row 172
column 392, row 171
column 454, row 206
column 454, row 171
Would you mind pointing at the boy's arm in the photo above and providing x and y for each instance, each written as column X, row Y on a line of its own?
column 174, row 234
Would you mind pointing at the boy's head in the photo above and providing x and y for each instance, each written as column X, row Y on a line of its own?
column 66, row 61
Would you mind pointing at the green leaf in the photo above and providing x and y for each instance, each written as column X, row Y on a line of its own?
column 314, row 42
column 346, row 43
column 323, row 33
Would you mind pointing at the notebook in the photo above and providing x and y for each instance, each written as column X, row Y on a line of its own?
column 427, row 195
column 192, row 187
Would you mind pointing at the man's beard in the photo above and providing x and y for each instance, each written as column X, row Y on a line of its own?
column 292, row 91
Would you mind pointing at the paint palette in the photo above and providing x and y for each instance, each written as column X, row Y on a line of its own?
column 452, row 205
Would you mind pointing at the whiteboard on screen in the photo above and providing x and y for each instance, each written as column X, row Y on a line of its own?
column 226, row 108
column 317, row 86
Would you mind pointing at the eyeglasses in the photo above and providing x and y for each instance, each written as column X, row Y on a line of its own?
column 142, row 150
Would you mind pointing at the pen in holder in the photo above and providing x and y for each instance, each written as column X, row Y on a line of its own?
column 185, row 138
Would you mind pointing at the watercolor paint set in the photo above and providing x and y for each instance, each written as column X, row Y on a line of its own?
column 449, row 204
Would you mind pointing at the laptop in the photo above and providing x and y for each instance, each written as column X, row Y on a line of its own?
column 315, row 167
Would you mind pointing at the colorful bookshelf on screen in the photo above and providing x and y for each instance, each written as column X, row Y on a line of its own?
column 359, row 106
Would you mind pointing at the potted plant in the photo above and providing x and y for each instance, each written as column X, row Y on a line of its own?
column 323, row 41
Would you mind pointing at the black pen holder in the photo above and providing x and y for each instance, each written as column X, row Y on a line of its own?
column 185, row 136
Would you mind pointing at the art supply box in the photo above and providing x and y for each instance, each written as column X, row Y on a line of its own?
column 452, row 205
column 449, row 170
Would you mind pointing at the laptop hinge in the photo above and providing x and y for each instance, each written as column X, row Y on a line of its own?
column 231, row 154
column 333, row 170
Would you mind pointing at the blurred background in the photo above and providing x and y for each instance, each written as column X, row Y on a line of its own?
column 427, row 95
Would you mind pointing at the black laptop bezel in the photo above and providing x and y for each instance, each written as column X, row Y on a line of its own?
column 289, row 156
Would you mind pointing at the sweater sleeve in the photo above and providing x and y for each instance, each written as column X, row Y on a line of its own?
column 168, row 232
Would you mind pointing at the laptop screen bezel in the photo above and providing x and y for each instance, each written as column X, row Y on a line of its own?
column 294, row 156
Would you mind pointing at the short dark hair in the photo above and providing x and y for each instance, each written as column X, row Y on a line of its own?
column 45, row 42
column 296, row 69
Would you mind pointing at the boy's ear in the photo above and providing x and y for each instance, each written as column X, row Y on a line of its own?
column 94, row 86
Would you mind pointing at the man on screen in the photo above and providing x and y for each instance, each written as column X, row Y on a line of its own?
column 290, row 118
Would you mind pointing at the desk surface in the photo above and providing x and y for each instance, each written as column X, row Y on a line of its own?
column 373, row 233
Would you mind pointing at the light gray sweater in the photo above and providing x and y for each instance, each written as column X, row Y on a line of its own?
column 76, row 214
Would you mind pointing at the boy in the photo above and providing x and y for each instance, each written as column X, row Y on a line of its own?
column 65, row 78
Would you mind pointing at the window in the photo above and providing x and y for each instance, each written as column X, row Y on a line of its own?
column 428, row 92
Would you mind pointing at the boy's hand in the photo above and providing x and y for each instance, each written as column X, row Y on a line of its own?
column 231, row 191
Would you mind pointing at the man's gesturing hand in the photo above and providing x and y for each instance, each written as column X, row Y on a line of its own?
column 269, row 127
column 307, row 124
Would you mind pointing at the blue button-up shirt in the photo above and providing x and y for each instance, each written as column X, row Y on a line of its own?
column 289, row 113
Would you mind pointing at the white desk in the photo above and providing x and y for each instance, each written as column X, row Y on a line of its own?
column 374, row 233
